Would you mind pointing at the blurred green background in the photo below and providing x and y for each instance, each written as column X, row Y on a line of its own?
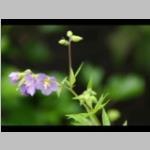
column 116, row 57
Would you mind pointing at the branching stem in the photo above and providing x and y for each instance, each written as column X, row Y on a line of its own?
column 93, row 116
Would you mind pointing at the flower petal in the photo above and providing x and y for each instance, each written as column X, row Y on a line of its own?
column 14, row 77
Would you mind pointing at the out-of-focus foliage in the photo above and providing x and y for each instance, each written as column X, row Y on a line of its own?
column 125, row 87
column 133, row 40
column 95, row 74
column 52, row 29
column 121, row 42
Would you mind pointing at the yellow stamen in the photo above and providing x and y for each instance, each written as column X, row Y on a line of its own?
column 34, row 75
column 46, row 82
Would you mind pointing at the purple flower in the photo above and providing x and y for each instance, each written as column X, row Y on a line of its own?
column 28, row 82
column 14, row 77
column 46, row 84
column 29, row 85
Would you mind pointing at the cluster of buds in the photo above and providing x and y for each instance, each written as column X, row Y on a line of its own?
column 88, row 97
column 72, row 38
column 28, row 82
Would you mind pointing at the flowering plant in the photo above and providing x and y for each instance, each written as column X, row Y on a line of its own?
column 29, row 82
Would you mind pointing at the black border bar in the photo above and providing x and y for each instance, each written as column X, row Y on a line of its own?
column 8, row 128
column 75, row 21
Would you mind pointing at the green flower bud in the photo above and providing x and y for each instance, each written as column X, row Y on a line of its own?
column 114, row 114
column 63, row 42
column 87, row 97
column 76, row 38
column 27, row 71
column 69, row 33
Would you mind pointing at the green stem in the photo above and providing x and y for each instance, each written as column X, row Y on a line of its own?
column 72, row 91
column 93, row 116
column 69, row 55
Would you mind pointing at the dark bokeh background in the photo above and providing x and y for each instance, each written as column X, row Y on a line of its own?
column 117, row 57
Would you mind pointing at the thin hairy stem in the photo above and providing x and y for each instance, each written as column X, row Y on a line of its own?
column 93, row 116
column 72, row 91
column 69, row 55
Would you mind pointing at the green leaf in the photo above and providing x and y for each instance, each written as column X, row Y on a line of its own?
column 81, row 118
column 63, row 81
column 102, row 98
column 90, row 84
column 100, row 103
column 72, row 78
column 59, row 91
column 61, row 86
column 90, row 101
column 105, row 118
column 78, row 70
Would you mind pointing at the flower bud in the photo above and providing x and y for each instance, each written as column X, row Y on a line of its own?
column 69, row 33
column 63, row 42
column 114, row 114
column 76, row 38
column 27, row 71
